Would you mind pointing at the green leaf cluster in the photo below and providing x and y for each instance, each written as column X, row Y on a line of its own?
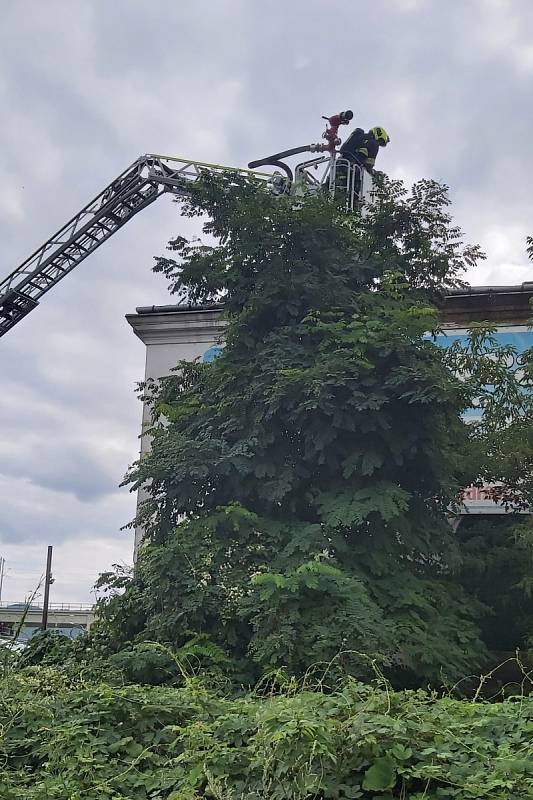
column 90, row 741
column 299, row 487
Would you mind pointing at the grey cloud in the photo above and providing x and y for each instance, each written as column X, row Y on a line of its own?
column 33, row 514
column 75, row 567
column 85, row 87
column 63, row 466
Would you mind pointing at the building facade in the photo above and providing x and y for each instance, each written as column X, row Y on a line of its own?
column 172, row 334
column 177, row 332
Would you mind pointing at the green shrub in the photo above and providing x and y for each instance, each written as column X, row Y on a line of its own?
column 90, row 742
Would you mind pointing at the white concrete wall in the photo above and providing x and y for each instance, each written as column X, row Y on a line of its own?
column 172, row 335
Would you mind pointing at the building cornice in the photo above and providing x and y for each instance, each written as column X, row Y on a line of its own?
column 175, row 325
column 510, row 305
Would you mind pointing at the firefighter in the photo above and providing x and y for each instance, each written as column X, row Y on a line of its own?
column 363, row 147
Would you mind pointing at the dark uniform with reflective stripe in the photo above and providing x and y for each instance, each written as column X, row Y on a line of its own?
column 361, row 147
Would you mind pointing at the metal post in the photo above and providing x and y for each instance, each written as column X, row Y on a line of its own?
column 2, row 565
column 47, row 582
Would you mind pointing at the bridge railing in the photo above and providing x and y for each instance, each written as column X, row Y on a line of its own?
column 13, row 605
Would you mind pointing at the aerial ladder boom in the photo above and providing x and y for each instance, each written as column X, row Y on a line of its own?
column 134, row 189
column 142, row 183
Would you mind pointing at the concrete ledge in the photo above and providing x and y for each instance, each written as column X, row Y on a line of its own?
column 177, row 326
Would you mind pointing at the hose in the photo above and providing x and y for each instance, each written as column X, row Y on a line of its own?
column 274, row 161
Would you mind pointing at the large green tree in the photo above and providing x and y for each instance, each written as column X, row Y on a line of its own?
column 300, row 485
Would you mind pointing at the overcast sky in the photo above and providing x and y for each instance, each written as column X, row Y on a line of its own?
column 88, row 85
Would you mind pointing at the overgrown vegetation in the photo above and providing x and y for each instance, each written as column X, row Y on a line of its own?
column 497, row 569
column 299, row 560
column 71, row 740
column 300, row 485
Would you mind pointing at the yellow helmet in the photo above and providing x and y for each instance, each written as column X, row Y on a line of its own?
column 381, row 135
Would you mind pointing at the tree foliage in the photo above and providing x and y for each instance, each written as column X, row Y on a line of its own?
column 497, row 569
column 497, row 383
column 299, row 486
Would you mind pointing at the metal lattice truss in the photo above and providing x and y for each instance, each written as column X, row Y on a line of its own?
column 136, row 188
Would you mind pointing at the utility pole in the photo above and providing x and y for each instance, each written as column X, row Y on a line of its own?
column 47, row 581
column 2, row 566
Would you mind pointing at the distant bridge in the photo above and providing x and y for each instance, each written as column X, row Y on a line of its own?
column 68, row 618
